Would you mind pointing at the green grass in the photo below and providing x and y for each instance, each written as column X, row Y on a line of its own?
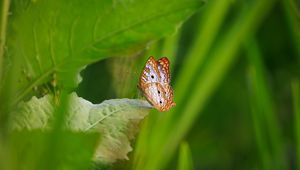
column 165, row 140
column 264, row 117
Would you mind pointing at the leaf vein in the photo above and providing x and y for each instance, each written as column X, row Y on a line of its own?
column 104, row 117
column 138, row 23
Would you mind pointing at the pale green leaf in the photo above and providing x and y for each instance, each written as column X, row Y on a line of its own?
column 117, row 120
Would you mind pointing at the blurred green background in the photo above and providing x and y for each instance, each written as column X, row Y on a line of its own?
column 249, row 103
column 235, row 73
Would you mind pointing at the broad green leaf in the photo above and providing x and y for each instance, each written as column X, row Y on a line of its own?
column 55, row 39
column 117, row 120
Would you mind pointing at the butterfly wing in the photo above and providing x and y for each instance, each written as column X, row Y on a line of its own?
column 164, row 70
column 150, row 73
column 169, row 98
column 155, row 94
column 154, row 83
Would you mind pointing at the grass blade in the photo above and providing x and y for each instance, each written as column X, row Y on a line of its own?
column 292, row 17
column 264, row 107
column 296, row 103
column 260, row 137
column 214, row 17
column 4, row 16
column 185, row 161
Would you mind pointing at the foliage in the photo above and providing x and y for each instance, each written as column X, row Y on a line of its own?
column 83, row 116
column 49, row 42
column 235, row 73
column 56, row 38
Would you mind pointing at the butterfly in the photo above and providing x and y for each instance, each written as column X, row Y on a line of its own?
column 155, row 85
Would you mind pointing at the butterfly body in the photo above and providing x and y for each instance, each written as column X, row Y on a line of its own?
column 155, row 83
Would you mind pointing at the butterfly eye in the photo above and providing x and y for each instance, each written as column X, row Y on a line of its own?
column 152, row 76
column 160, row 102
column 158, row 92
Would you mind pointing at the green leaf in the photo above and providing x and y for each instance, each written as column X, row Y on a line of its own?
column 57, row 38
column 28, row 149
column 117, row 120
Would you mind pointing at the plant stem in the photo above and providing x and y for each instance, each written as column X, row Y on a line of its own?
column 4, row 16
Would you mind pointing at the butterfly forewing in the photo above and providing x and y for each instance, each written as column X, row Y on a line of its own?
column 164, row 68
column 150, row 72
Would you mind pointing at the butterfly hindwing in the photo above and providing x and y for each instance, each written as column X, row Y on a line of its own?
column 156, row 95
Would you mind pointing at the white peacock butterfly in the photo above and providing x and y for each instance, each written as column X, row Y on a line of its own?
column 154, row 83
